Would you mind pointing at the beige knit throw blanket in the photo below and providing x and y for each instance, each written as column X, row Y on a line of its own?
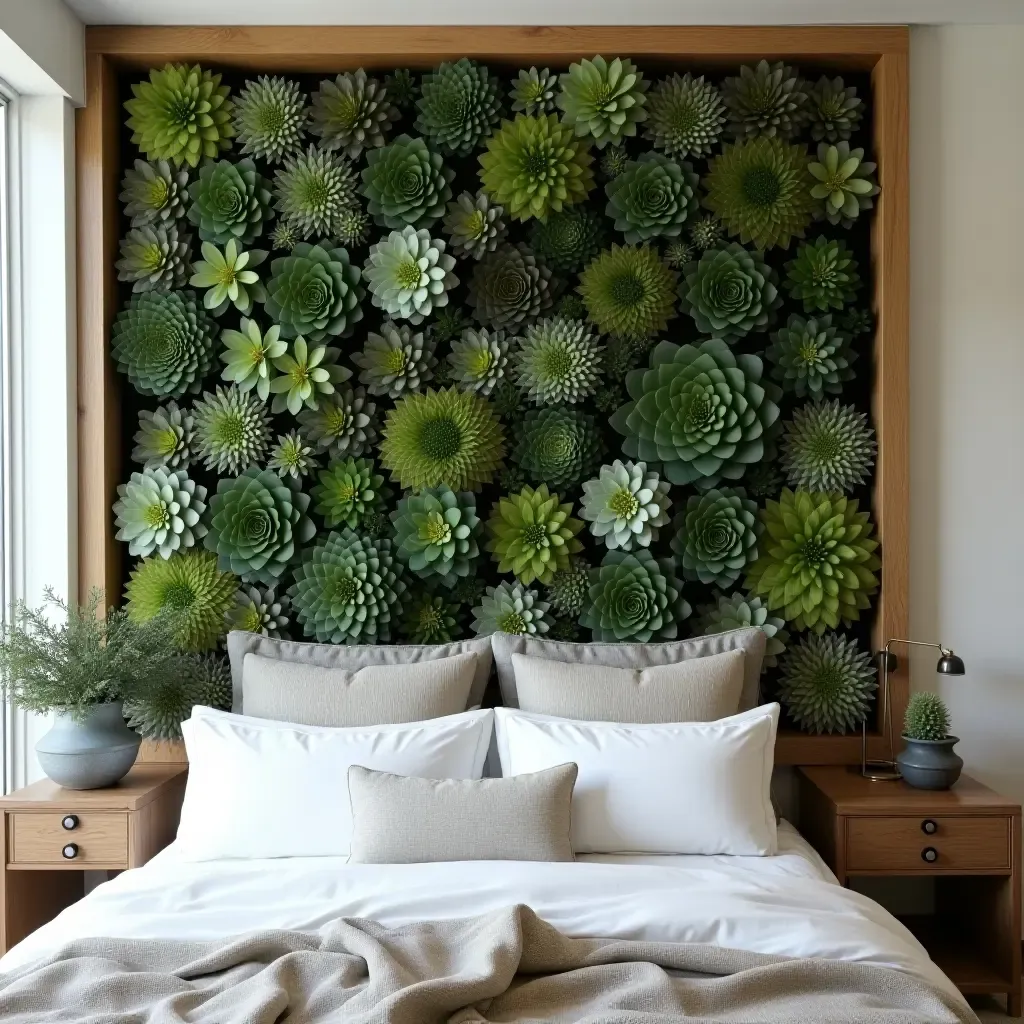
column 507, row 966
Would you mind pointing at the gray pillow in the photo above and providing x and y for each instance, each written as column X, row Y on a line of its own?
column 401, row 820
column 353, row 658
column 635, row 656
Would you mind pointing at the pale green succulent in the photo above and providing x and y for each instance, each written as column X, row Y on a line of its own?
column 342, row 424
column 307, row 373
column 396, row 360
column 292, row 457
column 844, row 183
column 229, row 277
column 603, row 99
column 165, row 438
column 478, row 359
column 459, row 105
column 232, row 429
column 270, row 117
column 738, row 611
column 259, row 610
column 685, row 116
column 475, row 224
column 716, row 536
column 314, row 190
column 768, row 100
column 154, row 193
column 533, row 91
column 625, row 505
column 352, row 113
column 347, row 491
column 510, row 608
column 437, row 531
column 159, row 511
column 828, row 447
column 558, row 360
column 249, row 355
column 154, row 258
column 409, row 274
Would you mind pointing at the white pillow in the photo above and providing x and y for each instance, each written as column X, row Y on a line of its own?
column 681, row 787
column 258, row 788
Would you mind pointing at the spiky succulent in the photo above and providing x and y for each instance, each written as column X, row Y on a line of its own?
column 629, row 291
column 292, row 456
column 159, row 511
column 315, row 291
column 410, row 274
column 811, row 358
column 558, row 360
column 459, row 104
column 430, row 619
column 823, row 275
column 442, row 437
column 507, row 400
column 568, row 240
column 154, row 258
column 706, row 232
column 474, row 224
column 702, row 411
column 856, row 322
column 478, row 359
column 342, row 424
column 625, row 505
column 603, row 99
column 347, row 490
column 182, row 114
column 817, row 559
column 154, row 193
column 163, row 343
column 926, row 717
column 827, row 447
column 314, row 191
column 730, row 291
column 249, row 355
column 405, row 183
column 510, row 608
column 270, row 117
column 569, row 589
column 352, row 227
column 230, row 200
column 229, row 277
column 652, row 197
column 285, row 235
column 834, row 109
column 765, row 100
column 533, row 91
column 347, row 590
column 827, row 683
column 634, row 596
column 306, row 374
column 187, row 585
column 844, row 183
column 259, row 610
column 437, row 531
column 165, row 438
column 716, row 536
column 395, row 361
column 535, row 166
column 168, row 700
column 558, row 446
column 761, row 191
column 449, row 323
column 678, row 254
column 738, row 611
column 614, row 161
column 401, row 87
column 232, row 429
column 685, row 116
column 510, row 286
column 352, row 113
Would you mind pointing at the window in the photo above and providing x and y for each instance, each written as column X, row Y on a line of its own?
column 7, row 115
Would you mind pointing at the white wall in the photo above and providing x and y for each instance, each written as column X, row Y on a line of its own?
column 42, row 48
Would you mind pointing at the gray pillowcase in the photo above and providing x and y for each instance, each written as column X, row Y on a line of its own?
column 401, row 820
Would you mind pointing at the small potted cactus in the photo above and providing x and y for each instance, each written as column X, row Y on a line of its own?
column 928, row 760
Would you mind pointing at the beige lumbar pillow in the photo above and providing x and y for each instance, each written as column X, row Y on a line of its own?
column 372, row 695
column 401, row 820
column 695, row 690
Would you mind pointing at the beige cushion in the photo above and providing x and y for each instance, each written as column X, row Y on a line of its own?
column 401, row 820
column 373, row 695
column 695, row 690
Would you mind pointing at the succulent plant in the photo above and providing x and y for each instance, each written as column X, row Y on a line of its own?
column 292, row 456
column 569, row 589
column 395, row 361
column 533, row 92
column 347, row 590
column 706, row 232
column 572, row 307
column 478, row 359
column 306, row 375
column 685, row 116
column 270, row 118
column 154, row 193
column 315, row 291
column 468, row 589
column 410, row 274
column 926, row 717
column 811, row 358
column 475, row 225
column 315, row 192
column 634, row 596
column 188, row 585
column 730, row 292
column 347, row 490
column 834, row 109
column 229, row 277
column 558, row 446
column 702, row 411
column 844, row 183
column 249, row 355
column 535, row 166
column 566, row 241
column 826, row 683
column 285, row 235
column 405, row 183
column 182, row 114
column 763, row 480
column 342, row 424
column 558, row 360
column 766, row 100
column 614, row 161
column 163, row 343
column 165, row 438
column 609, row 398
column 429, row 619
column 509, row 287
column 230, row 200
column 827, row 447
column 232, row 429
column 159, row 511
column 169, row 700
column 678, row 254
column 442, row 437
column 259, row 610
column 856, row 322
column 459, row 105
column 352, row 227
column 823, row 275
column 817, row 559
column 510, row 608
column 564, row 630
column 603, row 99
column 738, row 611
column 154, row 258
column 625, row 505
column 652, row 197
column 352, row 113
column 401, row 87
column 716, row 536
column 257, row 525
column 761, row 191
column 437, row 532
column 629, row 291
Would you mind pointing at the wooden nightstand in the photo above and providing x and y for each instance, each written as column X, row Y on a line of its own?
column 967, row 838
column 52, row 835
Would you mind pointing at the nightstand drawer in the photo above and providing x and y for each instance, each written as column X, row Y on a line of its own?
column 97, row 837
column 928, row 843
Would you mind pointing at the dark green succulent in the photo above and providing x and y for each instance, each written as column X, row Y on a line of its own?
column 828, row 447
column 533, row 91
column 459, row 105
column 603, row 99
column 768, row 100
column 351, row 113
column 716, row 536
column 811, row 357
column 509, row 287
column 270, row 117
column 568, row 240
column 437, row 532
column 652, row 197
column 559, row 447
column 315, row 192
column 823, row 275
column 685, row 116
column 347, row 490
column 154, row 193
column 230, row 200
column 835, row 109
column 430, row 619
column 406, row 183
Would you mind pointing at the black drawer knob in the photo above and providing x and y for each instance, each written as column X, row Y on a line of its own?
column 929, row 855
column 70, row 852
column 69, row 822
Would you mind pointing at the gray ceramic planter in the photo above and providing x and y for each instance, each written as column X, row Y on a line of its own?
column 91, row 752
column 930, row 764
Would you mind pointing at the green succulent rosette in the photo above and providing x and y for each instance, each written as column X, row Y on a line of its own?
column 154, row 258
column 430, row 619
column 509, row 287
column 306, row 375
column 569, row 589
column 478, row 359
column 626, row 505
column 229, row 277
column 810, row 357
column 396, row 360
column 828, row 447
column 154, row 193
column 716, row 536
column 510, row 608
column 459, row 105
column 230, row 200
column 475, row 225
column 405, row 183
column 629, row 292
column 437, row 532
column 341, row 424
column 823, row 275
column 766, row 100
column 270, row 118
column 260, row 610
column 410, row 274
column 739, row 611
column 315, row 194
column 678, row 254
column 232, row 429
column 834, row 108
column 558, row 446
column 168, row 701
column 652, row 197
column 165, row 438
column 347, row 490
column 352, row 113
column 706, row 232
column 602, row 99
column 568, row 240
column 844, row 183
column 159, row 511
column 533, row 91
column 292, row 456
column 558, row 360
column 856, row 322
column 613, row 161
column 685, row 116
column 249, row 356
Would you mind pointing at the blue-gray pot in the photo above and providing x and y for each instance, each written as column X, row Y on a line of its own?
column 930, row 764
column 91, row 752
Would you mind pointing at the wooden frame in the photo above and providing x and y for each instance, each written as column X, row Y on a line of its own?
column 882, row 51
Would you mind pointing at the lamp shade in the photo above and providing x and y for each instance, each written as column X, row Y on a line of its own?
column 950, row 664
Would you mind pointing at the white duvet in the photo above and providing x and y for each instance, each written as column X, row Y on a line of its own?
column 788, row 904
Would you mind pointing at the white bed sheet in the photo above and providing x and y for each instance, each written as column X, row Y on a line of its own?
column 788, row 904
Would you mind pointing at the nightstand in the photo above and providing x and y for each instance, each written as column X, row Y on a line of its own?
column 967, row 838
column 52, row 836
